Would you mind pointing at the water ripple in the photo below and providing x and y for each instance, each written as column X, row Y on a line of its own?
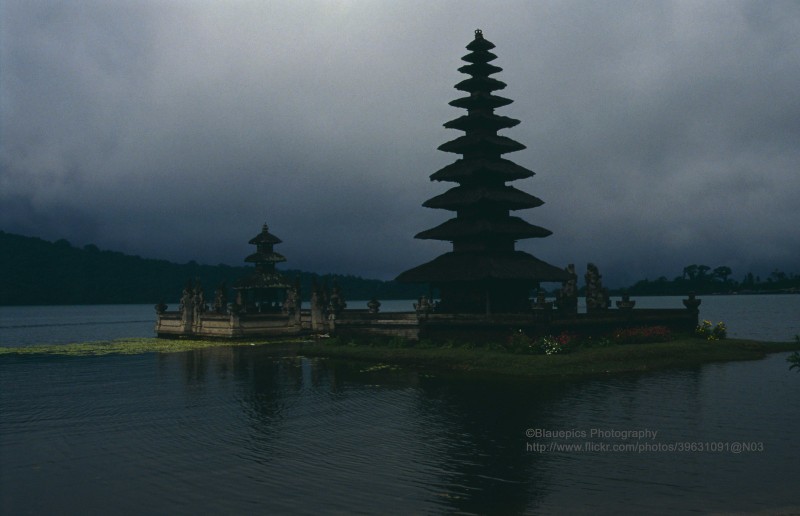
column 238, row 431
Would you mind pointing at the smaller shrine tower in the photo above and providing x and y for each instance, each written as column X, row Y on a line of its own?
column 265, row 289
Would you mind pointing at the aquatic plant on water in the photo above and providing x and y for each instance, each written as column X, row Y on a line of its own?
column 794, row 358
column 130, row 346
column 711, row 332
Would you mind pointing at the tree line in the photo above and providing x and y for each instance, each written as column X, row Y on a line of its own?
column 37, row 272
column 702, row 279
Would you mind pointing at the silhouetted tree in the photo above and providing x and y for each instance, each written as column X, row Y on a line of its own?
column 723, row 272
column 777, row 275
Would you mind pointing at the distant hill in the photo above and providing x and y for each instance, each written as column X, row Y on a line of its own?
column 37, row 272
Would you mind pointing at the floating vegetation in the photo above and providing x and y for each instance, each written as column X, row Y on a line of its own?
column 380, row 367
column 794, row 358
column 686, row 352
column 131, row 346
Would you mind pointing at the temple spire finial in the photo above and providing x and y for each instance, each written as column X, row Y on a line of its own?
column 478, row 34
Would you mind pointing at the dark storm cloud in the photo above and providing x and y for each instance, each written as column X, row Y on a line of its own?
column 662, row 134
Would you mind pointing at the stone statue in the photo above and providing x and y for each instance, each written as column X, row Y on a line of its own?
column 291, row 305
column 314, row 296
column 541, row 304
column 318, row 308
column 336, row 302
column 220, row 299
column 187, row 298
column 423, row 306
column 567, row 296
column 692, row 303
column 597, row 298
column 626, row 303
column 186, row 306
column 374, row 306
column 199, row 299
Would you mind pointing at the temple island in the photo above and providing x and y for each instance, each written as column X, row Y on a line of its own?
column 487, row 288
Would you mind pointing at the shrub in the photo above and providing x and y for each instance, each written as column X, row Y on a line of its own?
column 558, row 345
column 550, row 346
column 518, row 342
column 709, row 332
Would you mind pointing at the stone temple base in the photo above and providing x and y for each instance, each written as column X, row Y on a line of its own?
column 428, row 325
column 230, row 326
column 497, row 327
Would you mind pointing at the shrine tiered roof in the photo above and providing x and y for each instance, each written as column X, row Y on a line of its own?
column 481, row 266
column 264, row 276
column 511, row 228
column 461, row 197
column 482, row 232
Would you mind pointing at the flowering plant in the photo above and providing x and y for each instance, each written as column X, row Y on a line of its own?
column 519, row 342
column 555, row 345
column 709, row 332
column 550, row 346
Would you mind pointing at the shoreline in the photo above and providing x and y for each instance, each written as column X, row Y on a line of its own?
column 620, row 358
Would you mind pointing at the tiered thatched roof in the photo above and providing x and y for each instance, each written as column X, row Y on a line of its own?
column 265, row 258
column 482, row 232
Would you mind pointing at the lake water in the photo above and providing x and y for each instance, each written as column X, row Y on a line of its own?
column 243, row 431
column 768, row 317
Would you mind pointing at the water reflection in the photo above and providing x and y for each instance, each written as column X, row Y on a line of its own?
column 462, row 442
column 452, row 442
column 242, row 430
column 476, row 432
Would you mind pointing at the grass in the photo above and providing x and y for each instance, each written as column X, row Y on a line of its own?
column 617, row 358
column 685, row 352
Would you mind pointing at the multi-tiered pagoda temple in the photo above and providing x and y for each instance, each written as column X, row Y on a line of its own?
column 484, row 273
column 265, row 289
column 266, row 304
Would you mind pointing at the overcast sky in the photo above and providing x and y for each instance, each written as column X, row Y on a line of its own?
column 662, row 133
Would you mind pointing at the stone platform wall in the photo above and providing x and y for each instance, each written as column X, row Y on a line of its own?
column 416, row 326
column 362, row 323
column 228, row 326
column 497, row 327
